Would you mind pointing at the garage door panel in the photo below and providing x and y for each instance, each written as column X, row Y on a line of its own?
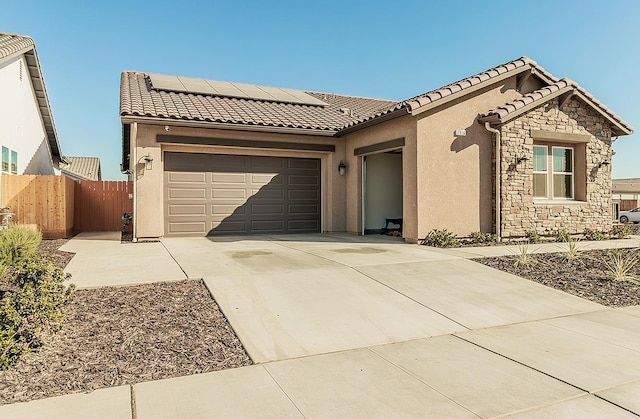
column 182, row 177
column 229, row 178
column 189, row 209
column 184, row 193
column 221, row 194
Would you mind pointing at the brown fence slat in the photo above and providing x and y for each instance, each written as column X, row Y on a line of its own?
column 59, row 206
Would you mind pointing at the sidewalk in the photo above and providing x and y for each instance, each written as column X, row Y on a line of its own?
column 512, row 250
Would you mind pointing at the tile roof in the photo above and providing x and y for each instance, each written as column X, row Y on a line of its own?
column 442, row 93
column 13, row 44
column 514, row 108
column 138, row 97
column 86, row 168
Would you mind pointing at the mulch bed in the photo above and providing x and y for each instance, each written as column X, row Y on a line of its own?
column 586, row 277
column 126, row 335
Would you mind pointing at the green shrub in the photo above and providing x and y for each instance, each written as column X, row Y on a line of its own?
column 572, row 252
column 440, row 238
column 562, row 235
column 533, row 236
column 479, row 237
column 594, row 235
column 17, row 244
column 621, row 231
column 33, row 307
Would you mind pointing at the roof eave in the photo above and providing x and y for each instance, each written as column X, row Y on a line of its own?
column 128, row 119
column 374, row 121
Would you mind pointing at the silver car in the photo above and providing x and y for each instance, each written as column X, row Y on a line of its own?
column 631, row 215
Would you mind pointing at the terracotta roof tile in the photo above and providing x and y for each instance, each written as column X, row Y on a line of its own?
column 138, row 97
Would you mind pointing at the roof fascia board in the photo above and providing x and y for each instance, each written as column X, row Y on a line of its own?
column 128, row 119
column 470, row 90
column 15, row 54
column 622, row 128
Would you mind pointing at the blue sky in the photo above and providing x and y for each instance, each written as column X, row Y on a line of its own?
column 390, row 50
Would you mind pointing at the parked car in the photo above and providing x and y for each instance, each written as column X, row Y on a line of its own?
column 631, row 215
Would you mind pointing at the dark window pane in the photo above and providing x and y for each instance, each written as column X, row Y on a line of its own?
column 562, row 186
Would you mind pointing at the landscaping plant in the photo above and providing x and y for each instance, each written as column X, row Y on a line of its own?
column 524, row 258
column 621, row 231
column 594, row 235
column 620, row 266
column 562, row 235
column 32, row 294
column 440, row 238
column 480, row 237
column 572, row 252
column 533, row 236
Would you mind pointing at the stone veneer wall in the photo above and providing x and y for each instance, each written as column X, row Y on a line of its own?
column 519, row 212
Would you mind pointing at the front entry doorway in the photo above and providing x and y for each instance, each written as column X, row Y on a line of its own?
column 382, row 193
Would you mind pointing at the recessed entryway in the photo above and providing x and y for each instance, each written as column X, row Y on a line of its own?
column 382, row 186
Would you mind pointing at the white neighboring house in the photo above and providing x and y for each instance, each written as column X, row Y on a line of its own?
column 28, row 139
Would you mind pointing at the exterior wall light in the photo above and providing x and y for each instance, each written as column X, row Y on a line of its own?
column 148, row 162
column 342, row 168
column 604, row 163
column 522, row 159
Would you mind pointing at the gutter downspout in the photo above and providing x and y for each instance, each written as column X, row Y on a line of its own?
column 488, row 127
column 133, row 134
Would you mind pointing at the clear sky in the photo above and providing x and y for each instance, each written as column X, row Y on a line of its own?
column 382, row 49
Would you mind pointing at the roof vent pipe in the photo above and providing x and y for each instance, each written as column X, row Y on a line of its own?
column 488, row 127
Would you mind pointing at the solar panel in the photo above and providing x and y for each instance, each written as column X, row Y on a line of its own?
column 229, row 89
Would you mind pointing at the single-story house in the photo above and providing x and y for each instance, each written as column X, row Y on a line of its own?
column 210, row 157
column 27, row 132
column 625, row 194
column 81, row 168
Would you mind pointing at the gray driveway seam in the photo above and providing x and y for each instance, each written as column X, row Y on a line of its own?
column 281, row 389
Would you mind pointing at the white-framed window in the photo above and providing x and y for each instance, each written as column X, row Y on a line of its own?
column 553, row 172
column 9, row 161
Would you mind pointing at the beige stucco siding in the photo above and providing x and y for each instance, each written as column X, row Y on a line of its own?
column 149, row 182
column 455, row 174
column 401, row 127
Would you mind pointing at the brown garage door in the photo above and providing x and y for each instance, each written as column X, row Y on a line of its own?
column 218, row 194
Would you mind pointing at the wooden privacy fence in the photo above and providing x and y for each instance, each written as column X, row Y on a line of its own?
column 60, row 207
column 99, row 205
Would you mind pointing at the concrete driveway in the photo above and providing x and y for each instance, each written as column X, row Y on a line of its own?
column 297, row 295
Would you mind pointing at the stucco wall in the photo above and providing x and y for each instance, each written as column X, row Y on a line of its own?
column 455, row 174
column 21, row 126
column 401, row 127
column 149, row 204
column 592, row 206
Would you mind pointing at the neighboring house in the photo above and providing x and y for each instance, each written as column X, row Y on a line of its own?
column 27, row 132
column 625, row 194
column 210, row 157
column 81, row 168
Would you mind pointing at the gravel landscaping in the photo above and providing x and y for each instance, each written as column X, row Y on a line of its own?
column 125, row 335
column 586, row 276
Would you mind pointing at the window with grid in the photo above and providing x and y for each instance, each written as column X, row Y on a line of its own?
column 5, row 159
column 553, row 172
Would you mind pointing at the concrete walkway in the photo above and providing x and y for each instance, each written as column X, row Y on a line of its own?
column 101, row 260
column 345, row 326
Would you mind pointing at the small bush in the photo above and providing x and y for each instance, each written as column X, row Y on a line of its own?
column 479, row 237
column 594, row 235
column 621, row 231
column 17, row 244
column 33, row 307
column 440, row 238
column 572, row 253
column 562, row 236
column 533, row 236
